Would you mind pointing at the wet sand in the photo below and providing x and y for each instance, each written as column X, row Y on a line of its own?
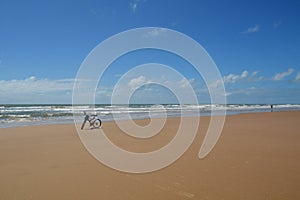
column 256, row 157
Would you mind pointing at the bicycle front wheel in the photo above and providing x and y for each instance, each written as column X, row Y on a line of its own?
column 97, row 123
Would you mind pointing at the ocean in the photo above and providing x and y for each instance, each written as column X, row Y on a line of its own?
column 27, row 115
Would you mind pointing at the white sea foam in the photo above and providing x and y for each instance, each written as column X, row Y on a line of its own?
column 17, row 115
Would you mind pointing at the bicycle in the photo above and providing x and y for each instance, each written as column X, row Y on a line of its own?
column 94, row 121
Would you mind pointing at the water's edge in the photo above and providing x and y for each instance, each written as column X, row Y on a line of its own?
column 31, row 115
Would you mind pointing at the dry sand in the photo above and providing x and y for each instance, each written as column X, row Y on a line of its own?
column 256, row 157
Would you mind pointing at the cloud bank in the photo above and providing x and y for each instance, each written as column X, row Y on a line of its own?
column 244, row 86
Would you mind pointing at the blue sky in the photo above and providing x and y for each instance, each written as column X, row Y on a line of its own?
column 255, row 45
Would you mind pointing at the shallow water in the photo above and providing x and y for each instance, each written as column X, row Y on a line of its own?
column 26, row 115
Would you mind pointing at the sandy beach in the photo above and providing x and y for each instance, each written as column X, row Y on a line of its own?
column 256, row 157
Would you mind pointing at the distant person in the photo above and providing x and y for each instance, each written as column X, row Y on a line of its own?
column 271, row 107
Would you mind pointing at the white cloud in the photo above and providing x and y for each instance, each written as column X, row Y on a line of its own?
column 33, row 90
column 251, row 77
column 137, row 82
column 34, row 85
column 298, row 76
column 31, row 78
column 155, row 32
column 149, row 88
column 232, row 78
column 254, row 73
column 252, row 29
column 280, row 76
column 244, row 74
column 247, row 91
column 183, row 83
column 251, row 87
column 135, row 4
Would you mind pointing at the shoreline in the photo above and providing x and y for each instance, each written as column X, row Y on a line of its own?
column 36, row 114
column 44, row 123
column 256, row 157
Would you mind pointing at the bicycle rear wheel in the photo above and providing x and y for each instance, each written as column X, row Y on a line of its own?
column 97, row 123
